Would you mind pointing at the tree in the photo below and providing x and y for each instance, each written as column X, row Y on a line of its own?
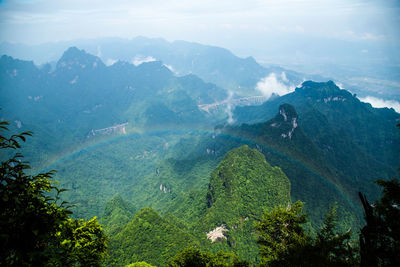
column 82, row 243
column 380, row 237
column 281, row 235
column 140, row 264
column 284, row 242
column 35, row 230
column 331, row 248
column 194, row 257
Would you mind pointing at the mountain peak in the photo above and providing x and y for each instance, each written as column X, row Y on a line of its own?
column 242, row 173
column 287, row 112
column 285, row 121
column 155, row 66
column 13, row 67
column 320, row 89
column 324, row 92
column 76, row 58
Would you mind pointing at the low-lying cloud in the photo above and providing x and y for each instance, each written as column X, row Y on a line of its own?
column 381, row 103
column 271, row 84
column 228, row 109
column 171, row 69
column 340, row 85
column 110, row 61
column 142, row 59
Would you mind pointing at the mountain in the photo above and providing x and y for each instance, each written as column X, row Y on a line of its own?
column 242, row 186
column 212, row 64
column 221, row 67
column 323, row 108
column 325, row 140
column 83, row 112
column 117, row 213
column 127, row 137
column 237, row 192
column 314, row 180
column 82, row 98
column 148, row 237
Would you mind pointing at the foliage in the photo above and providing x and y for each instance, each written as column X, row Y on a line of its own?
column 331, row 248
column 331, row 152
column 352, row 144
column 117, row 214
column 285, row 243
column 322, row 163
column 194, row 257
column 380, row 237
column 34, row 229
column 148, row 237
column 240, row 187
column 139, row 264
column 83, row 243
column 281, row 235
column 244, row 181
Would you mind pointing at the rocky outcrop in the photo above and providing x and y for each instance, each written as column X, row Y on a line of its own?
column 217, row 234
column 285, row 121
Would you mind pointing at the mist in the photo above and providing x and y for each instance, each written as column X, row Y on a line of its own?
column 344, row 40
column 272, row 84
column 381, row 103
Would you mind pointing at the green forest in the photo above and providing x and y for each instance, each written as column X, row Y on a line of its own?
column 247, row 199
column 130, row 164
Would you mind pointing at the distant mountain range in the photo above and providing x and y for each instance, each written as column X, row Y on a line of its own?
column 82, row 96
column 212, row 64
column 217, row 65
column 181, row 136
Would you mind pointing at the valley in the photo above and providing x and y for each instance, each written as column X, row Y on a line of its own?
column 185, row 152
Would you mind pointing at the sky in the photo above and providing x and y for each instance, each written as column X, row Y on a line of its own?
column 229, row 23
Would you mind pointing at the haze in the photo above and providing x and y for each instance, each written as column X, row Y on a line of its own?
column 342, row 38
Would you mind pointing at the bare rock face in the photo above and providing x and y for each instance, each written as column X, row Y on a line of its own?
column 217, row 233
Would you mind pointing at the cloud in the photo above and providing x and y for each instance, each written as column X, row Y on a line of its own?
column 381, row 103
column 270, row 85
column 110, row 61
column 171, row 68
column 339, row 84
column 139, row 59
column 228, row 108
column 371, row 36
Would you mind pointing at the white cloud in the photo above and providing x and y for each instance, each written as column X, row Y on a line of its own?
column 170, row 68
column 110, row 61
column 371, row 36
column 139, row 59
column 228, row 108
column 270, row 84
column 339, row 84
column 381, row 103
